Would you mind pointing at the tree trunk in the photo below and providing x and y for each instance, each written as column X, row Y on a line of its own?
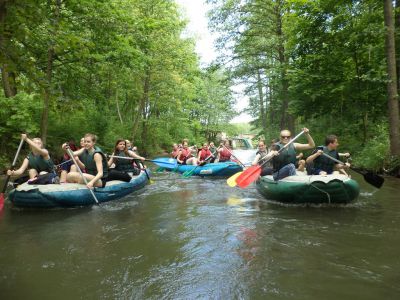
column 142, row 103
column 393, row 103
column 47, row 90
column 261, row 99
column 287, row 121
column 47, row 95
column 118, row 110
column 397, row 41
column 8, row 78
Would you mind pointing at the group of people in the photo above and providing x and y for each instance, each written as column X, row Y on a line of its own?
column 208, row 153
column 89, row 164
column 281, row 160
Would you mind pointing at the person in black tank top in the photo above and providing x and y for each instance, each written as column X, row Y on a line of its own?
column 37, row 162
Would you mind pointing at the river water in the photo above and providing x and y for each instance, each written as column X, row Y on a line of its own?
column 199, row 238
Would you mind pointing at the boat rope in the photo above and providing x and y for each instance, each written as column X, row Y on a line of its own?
column 326, row 193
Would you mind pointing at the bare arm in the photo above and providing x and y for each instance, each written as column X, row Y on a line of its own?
column 134, row 155
column 21, row 169
column 42, row 152
column 311, row 158
column 111, row 160
column 310, row 140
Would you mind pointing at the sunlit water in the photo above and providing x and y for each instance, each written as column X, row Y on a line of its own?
column 199, row 238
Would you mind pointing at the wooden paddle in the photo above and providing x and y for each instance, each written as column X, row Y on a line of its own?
column 252, row 173
column 370, row 177
column 8, row 176
column 71, row 154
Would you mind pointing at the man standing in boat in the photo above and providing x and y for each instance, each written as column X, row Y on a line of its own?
column 323, row 165
column 284, row 162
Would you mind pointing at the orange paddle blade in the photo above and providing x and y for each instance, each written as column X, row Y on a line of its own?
column 248, row 176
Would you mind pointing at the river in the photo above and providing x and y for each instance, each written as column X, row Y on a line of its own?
column 199, row 238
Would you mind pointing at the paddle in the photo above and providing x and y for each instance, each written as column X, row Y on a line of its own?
column 8, row 176
column 238, row 160
column 252, row 173
column 231, row 181
column 160, row 163
column 370, row 177
column 189, row 173
column 80, row 172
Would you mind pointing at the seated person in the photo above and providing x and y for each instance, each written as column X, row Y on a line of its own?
column 284, row 161
column 224, row 151
column 93, row 161
column 38, row 162
column 204, row 155
column 185, row 156
column 175, row 150
column 123, row 159
column 322, row 165
column 262, row 159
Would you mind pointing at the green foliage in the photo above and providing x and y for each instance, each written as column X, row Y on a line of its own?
column 18, row 114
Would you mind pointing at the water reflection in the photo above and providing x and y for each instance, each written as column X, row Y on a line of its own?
column 200, row 238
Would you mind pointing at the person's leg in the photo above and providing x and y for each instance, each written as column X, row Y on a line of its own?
column 302, row 164
column 63, row 176
column 32, row 173
column 285, row 171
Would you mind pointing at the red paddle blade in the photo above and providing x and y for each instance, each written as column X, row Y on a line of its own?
column 248, row 176
column 1, row 201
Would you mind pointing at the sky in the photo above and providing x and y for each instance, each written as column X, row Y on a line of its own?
column 196, row 12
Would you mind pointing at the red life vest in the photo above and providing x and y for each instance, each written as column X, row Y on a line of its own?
column 204, row 154
column 185, row 154
column 224, row 155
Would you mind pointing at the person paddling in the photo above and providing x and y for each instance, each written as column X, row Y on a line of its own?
column 123, row 167
column 37, row 162
column 322, row 165
column 261, row 158
column 284, row 162
column 185, row 156
column 93, row 161
column 204, row 155
column 224, row 151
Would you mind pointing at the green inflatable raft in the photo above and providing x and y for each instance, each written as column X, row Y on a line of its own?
column 309, row 189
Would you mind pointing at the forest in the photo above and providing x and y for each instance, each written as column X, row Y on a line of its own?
column 125, row 68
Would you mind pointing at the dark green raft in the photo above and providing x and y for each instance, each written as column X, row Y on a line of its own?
column 316, row 189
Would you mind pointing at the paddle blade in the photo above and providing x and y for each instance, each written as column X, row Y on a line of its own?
column 1, row 201
column 165, row 164
column 374, row 179
column 248, row 176
column 231, row 181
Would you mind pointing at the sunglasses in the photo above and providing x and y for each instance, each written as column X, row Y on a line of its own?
column 285, row 137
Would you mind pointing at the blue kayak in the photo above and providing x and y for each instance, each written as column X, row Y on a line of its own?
column 220, row 169
column 73, row 194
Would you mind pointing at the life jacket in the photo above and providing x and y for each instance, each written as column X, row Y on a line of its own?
column 262, row 159
column 224, row 155
column 185, row 154
column 90, row 165
column 121, row 164
column 285, row 157
column 323, row 163
column 40, row 164
column 205, row 154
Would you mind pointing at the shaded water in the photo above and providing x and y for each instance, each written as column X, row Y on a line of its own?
column 199, row 238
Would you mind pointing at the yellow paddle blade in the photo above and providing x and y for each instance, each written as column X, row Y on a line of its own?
column 231, row 181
